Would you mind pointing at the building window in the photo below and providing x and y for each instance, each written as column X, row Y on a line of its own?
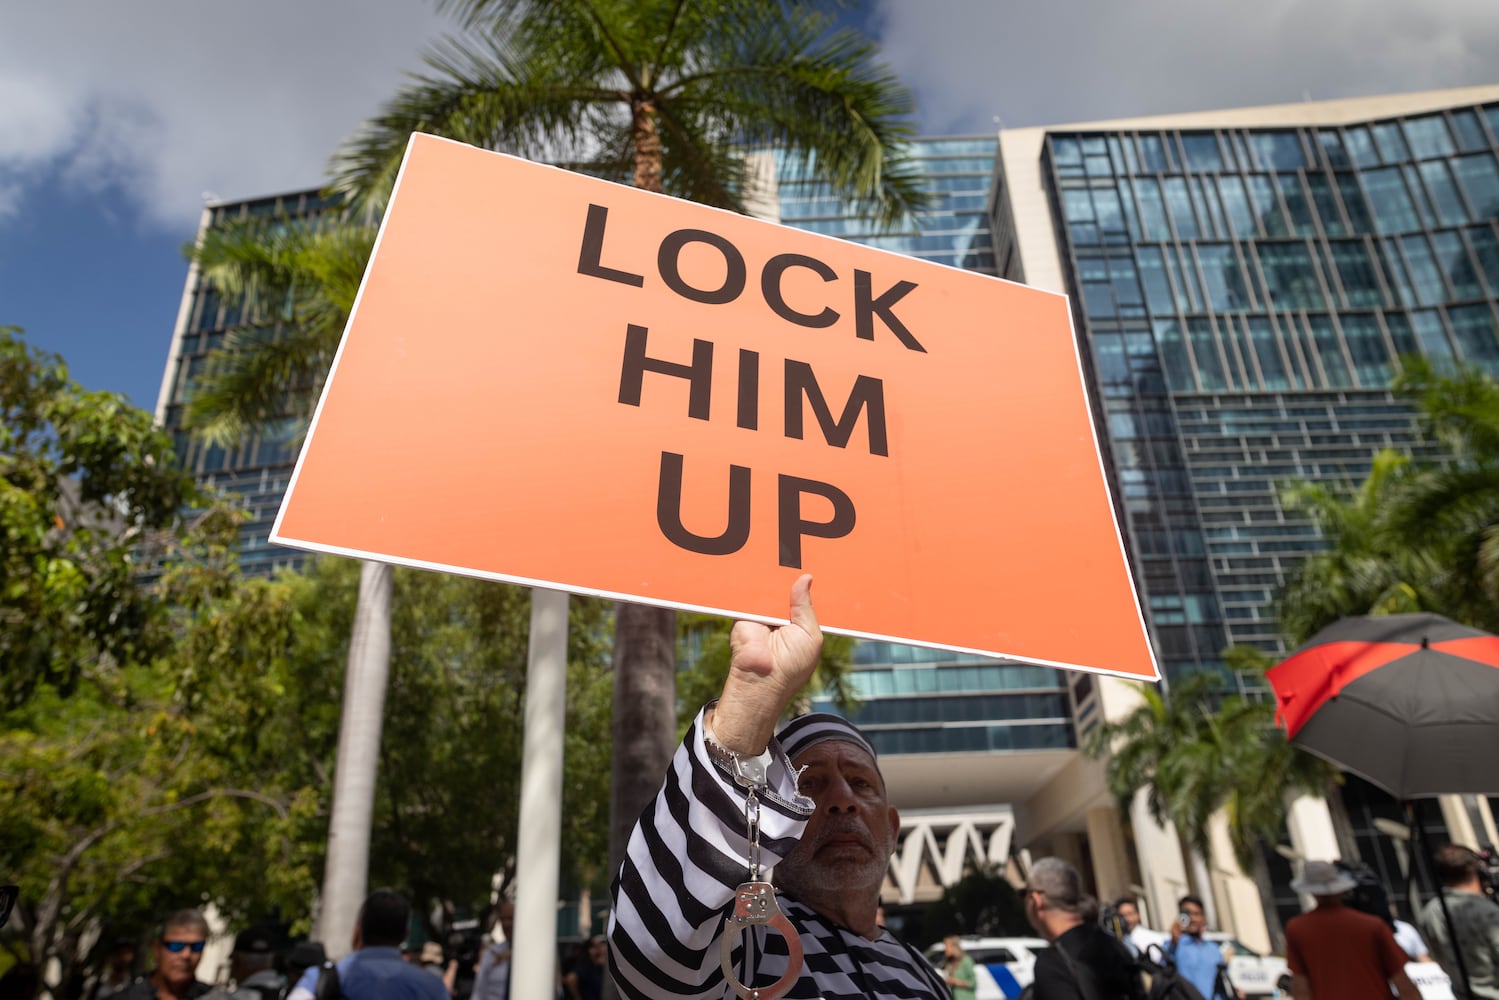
column 1470, row 135
column 1391, row 202
column 1356, row 273
column 1174, row 357
column 1205, row 351
column 1326, row 201
column 1155, row 155
column 1444, row 197
column 1278, row 150
column 1201, row 149
column 1473, row 329
column 1480, row 184
column 1390, row 143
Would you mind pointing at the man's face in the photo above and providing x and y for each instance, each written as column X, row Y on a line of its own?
column 1129, row 915
column 507, row 919
column 1197, row 921
column 597, row 952
column 1033, row 900
column 851, row 835
column 178, row 951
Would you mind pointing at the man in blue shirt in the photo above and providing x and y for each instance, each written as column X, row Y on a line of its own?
column 1197, row 959
column 375, row 970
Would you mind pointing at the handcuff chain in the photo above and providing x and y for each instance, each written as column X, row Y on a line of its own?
column 755, row 904
column 752, row 832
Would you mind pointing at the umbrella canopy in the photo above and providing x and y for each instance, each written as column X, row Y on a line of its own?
column 1409, row 702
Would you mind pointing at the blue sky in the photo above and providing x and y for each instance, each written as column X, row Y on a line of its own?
column 117, row 119
column 89, row 279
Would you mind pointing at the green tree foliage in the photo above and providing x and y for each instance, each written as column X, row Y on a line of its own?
column 296, row 284
column 446, row 812
column 205, row 774
column 982, row 902
column 1194, row 753
column 706, row 637
column 168, row 727
column 84, row 479
column 103, row 771
column 1412, row 536
column 1368, row 564
column 664, row 95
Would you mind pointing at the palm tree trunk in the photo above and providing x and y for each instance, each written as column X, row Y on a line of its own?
column 346, row 873
column 644, row 725
column 1260, row 871
column 647, row 145
column 1199, row 874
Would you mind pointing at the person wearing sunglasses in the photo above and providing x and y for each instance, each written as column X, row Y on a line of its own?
column 176, row 951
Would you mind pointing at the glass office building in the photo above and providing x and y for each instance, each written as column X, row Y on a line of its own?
column 1244, row 285
column 258, row 470
column 1245, row 292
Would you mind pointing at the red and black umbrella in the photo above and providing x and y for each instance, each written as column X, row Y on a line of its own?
column 1409, row 702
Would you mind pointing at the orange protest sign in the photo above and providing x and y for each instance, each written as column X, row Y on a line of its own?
column 560, row 381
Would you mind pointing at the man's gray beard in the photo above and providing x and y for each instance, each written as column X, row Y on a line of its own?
column 805, row 878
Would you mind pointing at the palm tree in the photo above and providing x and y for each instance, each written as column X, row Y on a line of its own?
column 1410, row 537
column 1454, row 509
column 1196, row 754
column 1160, row 747
column 296, row 285
column 1369, row 566
column 669, row 96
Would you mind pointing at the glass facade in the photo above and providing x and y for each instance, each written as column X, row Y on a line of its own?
column 1245, row 296
column 952, row 230
column 259, row 470
column 918, row 700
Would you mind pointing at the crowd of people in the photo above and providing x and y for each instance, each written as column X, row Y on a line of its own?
column 694, row 913
column 384, row 963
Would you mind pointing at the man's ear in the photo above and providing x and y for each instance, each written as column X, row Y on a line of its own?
column 894, row 827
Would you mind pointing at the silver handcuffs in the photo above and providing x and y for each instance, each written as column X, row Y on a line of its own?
column 755, row 903
column 754, row 900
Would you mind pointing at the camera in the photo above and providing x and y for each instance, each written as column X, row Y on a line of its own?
column 1112, row 923
column 1184, row 919
column 1488, row 873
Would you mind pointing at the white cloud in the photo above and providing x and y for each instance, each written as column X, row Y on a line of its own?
column 10, row 199
column 163, row 99
column 1079, row 60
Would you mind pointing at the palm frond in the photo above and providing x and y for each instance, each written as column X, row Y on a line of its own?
column 551, row 80
column 484, row 92
column 297, row 284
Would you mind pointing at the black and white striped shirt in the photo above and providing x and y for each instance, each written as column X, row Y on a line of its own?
column 686, row 857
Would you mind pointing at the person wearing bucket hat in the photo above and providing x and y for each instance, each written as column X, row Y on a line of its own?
column 825, row 826
column 1336, row 952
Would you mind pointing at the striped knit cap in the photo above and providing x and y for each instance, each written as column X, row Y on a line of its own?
column 806, row 730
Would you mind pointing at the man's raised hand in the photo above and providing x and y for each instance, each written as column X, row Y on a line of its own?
column 767, row 667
